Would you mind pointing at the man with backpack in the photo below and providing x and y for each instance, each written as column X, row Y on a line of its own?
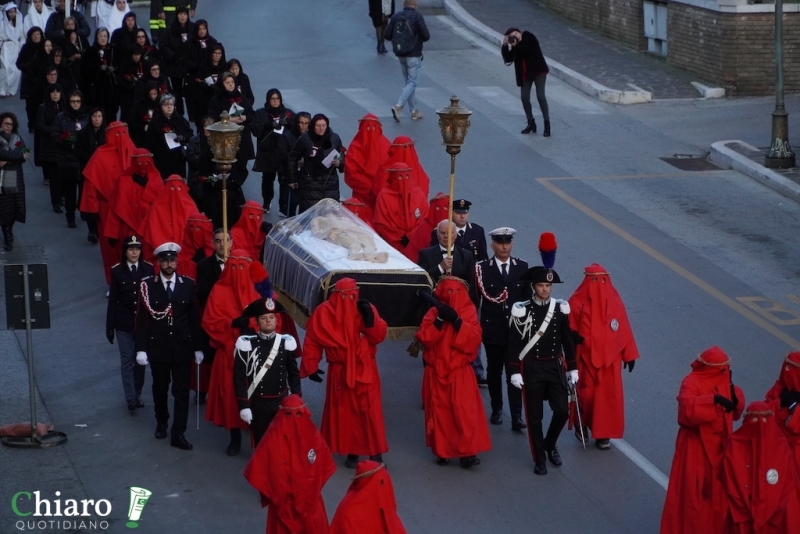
column 407, row 31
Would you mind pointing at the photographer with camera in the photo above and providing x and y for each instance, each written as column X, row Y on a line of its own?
column 522, row 49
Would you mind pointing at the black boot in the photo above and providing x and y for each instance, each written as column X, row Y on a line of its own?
column 235, row 445
column 8, row 238
column 546, row 129
column 71, row 220
column 531, row 128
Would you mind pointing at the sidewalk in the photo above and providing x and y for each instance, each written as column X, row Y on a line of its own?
column 749, row 160
column 599, row 58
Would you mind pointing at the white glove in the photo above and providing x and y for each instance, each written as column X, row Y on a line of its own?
column 198, row 357
column 516, row 380
column 246, row 415
column 141, row 358
column 572, row 376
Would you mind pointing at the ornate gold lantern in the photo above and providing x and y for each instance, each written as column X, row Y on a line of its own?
column 224, row 139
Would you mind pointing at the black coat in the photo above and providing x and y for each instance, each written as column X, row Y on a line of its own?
column 68, row 122
column 270, row 156
column 494, row 316
column 177, row 49
column 26, row 63
column 527, row 58
column 139, row 118
column 473, row 240
column 168, row 161
column 315, row 181
column 557, row 339
column 376, row 12
column 55, row 24
column 123, row 295
column 121, row 41
column 45, row 119
column 88, row 140
column 244, row 87
column 175, row 338
column 463, row 266
column 100, row 86
column 282, row 373
column 208, row 272
column 12, row 205
column 199, row 53
column 222, row 102
column 417, row 24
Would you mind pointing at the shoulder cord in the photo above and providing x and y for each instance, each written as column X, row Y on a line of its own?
column 499, row 299
column 524, row 324
column 250, row 361
column 157, row 315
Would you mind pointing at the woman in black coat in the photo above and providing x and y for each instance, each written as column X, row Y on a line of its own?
column 123, row 38
column 74, row 47
column 314, row 180
column 88, row 140
column 225, row 96
column 65, row 77
column 13, row 155
column 130, row 72
column 26, row 62
column 142, row 113
column 201, row 89
column 176, row 50
column 268, row 124
column 523, row 50
column 47, row 156
column 166, row 120
column 33, row 79
column 149, row 52
column 64, row 134
column 98, row 75
column 154, row 72
column 234, row 66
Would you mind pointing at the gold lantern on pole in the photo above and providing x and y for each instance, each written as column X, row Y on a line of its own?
column 454, row 123
column 224, row 139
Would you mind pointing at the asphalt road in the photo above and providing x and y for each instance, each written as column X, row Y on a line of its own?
column 700, row 258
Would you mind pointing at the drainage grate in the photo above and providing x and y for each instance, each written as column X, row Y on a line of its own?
column 691, row 163
column 23, row 255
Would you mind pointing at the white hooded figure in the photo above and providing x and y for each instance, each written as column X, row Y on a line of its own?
column 12, row 37
column 37, row 15
column 111, row 16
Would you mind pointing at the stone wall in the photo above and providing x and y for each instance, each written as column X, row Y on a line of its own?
column 619, row 19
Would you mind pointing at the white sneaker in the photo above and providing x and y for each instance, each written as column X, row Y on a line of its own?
column 416, row 115
column 396, row 111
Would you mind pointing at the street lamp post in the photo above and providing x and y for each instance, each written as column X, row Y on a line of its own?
column 780, row 154
column 454, row 123
column 224, row 140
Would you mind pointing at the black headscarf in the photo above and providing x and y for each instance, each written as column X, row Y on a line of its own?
column 272, row 110
column 323, row 140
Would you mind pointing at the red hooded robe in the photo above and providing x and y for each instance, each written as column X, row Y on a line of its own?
column 289, row 468
column 788, row 379
column 401, row 151
column 759, row 476
column 101, row 172
column 400, row 207
column 420, row 237
column 361, row 210
column 230, row 296
column 369, row 506
column 455, row 422
column 368, row 149
column 168, row 214
column 598, row 314
column 246, row 233
column 695, row 498
column 352, row 421
column 196, row 244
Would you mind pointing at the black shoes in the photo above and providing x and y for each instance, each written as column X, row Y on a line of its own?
column 585, row 437
column 377, row 458
column 8, row 238
column 202, row 398
column 382, row 48
column 180, row 442
column 531, row 127
column 469, row 461
column 234, row 447
column 57, row 208
column 161, row 431
column 442, row 461
column 554, row 457
column 131, row 406
column 540, row 468
column 546, row 129
column 351, row 461
column 71, row 222
column 517, row 423
column 602, row 444
column 496, row 418
column 139, row 402
column 92, row 238
column 482, row 381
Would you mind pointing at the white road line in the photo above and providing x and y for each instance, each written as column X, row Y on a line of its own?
column 501, row 99
column 643, row 463
column 369, row 101
column 299, row 100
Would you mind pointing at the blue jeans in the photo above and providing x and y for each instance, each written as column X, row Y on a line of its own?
column 410, row 67
column 132, row 372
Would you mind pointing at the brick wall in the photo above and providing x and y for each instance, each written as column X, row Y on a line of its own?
column 619, row 19
column 736, row 51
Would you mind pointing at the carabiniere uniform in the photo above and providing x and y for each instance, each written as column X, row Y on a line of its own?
column 542, row 365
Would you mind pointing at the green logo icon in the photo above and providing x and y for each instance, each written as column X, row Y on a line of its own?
column 139, row 497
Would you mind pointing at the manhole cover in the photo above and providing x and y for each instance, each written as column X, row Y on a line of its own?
column 691, row 164
column 23, row 255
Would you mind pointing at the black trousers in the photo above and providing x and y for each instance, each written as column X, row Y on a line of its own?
column 268, row 187
column 50, row 173
column 525, row 94
column 495, row 360
column 69, row 177
column 544, row 379
column 288, row 201
column 177, row 92
column 264, row 411
column 179, row 374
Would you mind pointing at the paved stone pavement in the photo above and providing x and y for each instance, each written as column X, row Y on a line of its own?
column 602, row 59
column 792, row 174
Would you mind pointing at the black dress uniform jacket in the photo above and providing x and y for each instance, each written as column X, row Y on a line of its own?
column 463, row 266
column 557, row 339
column 494, row 316
column 274, row 384
column 171, row 339
column 473, row 240
column 208, row 272
column 123, row 295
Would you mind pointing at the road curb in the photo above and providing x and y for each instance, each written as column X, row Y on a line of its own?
column 575, row 79
column 728, row 158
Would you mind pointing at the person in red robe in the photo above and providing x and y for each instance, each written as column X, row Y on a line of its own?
column 368, row 149
column 348, row 329
column 708, row 403
column 759, row 476
column 420, row 237
column 599, row 316
column 197, row 244
column 450, row 334
column 131, row 199
column 401, row 151
column 369, row 506
column 784, row 398
column 166, row 221
column 101, row 172
column 399, row 208
column 289, row 468
column 251, row 230
column 360, row 209
column 230, row 296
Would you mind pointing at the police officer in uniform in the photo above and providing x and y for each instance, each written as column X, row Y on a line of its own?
column 123, row 296
column 539, row 344
column 264, row 368
column 496, row 281
column 167, row 336
column 469, row 236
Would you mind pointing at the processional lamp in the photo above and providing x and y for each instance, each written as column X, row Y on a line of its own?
column 224, row 139
column 454, row 123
